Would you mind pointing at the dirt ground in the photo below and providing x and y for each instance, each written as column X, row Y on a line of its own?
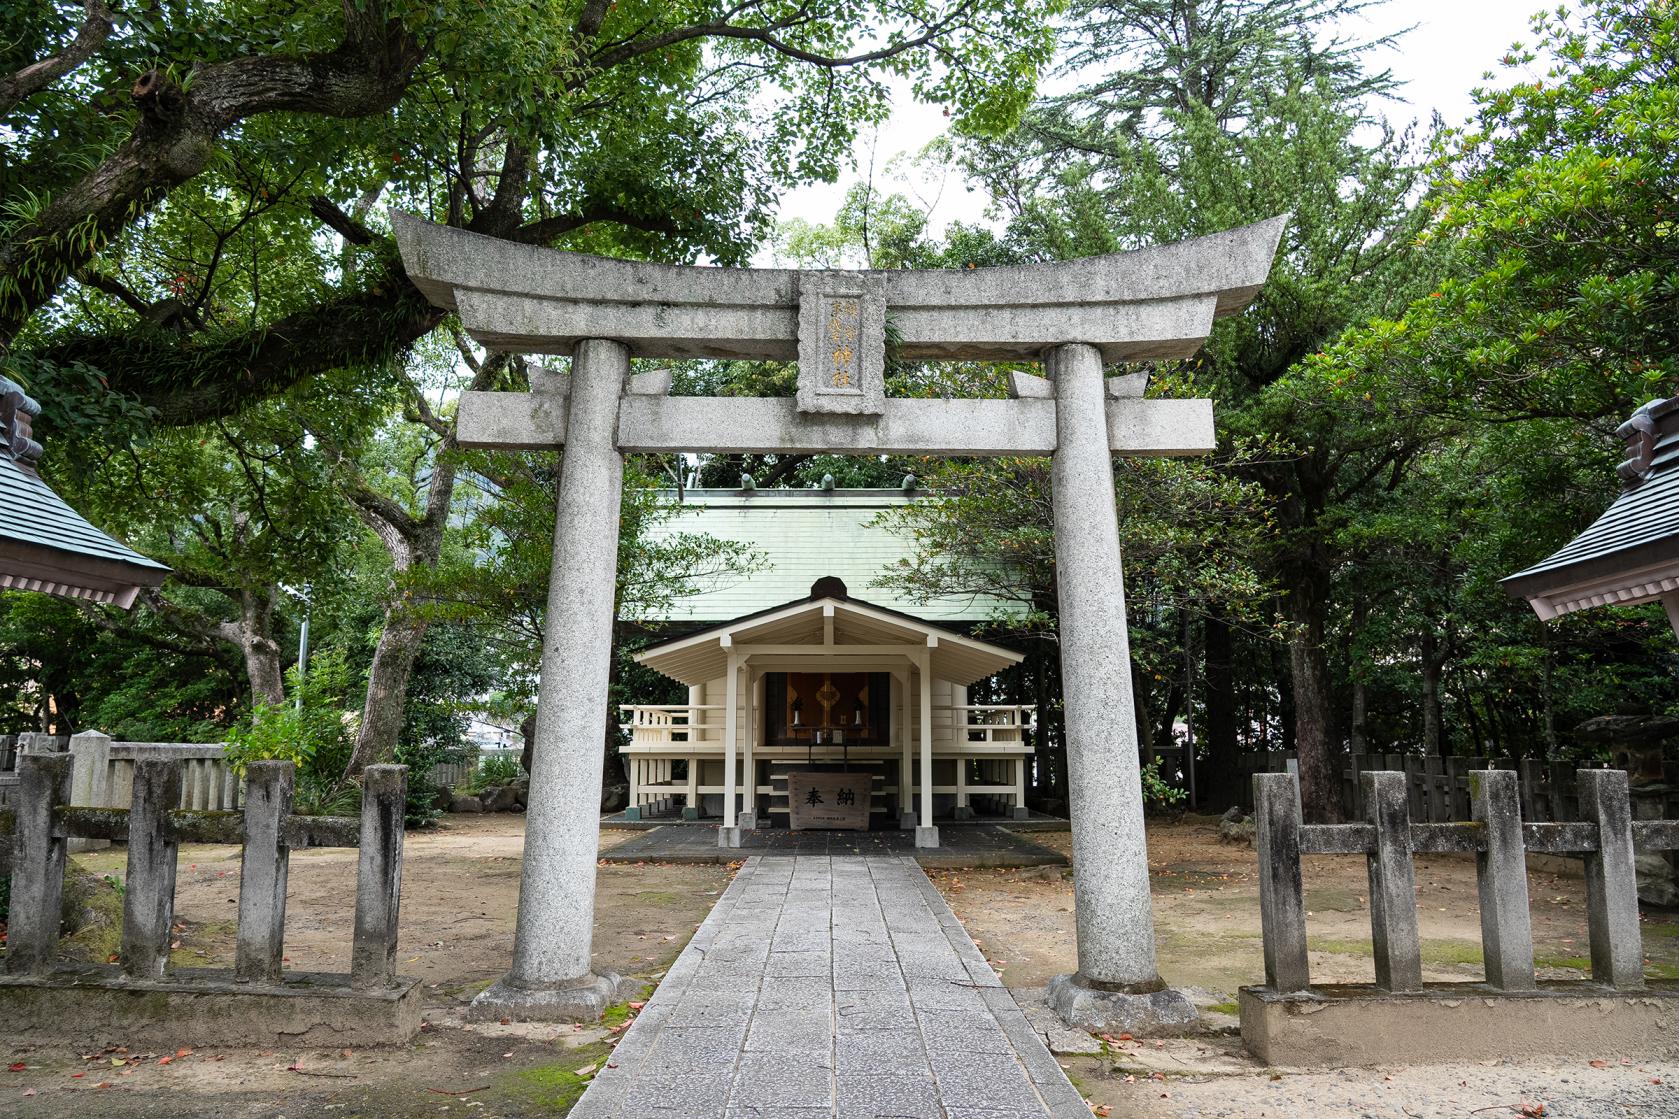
column 460, row 886
column 1206, row 907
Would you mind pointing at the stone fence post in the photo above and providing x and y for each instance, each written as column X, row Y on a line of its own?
column 1282, row 899
column 38, row 859
column 1611, row 881
column 260, row 944
column 90, row 779
column 1501, row 875
column 384, row 794
column 148, row 904
column 1393, row 888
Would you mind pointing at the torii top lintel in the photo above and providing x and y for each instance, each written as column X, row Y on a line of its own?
column 1153, row 303
column 1157, row 303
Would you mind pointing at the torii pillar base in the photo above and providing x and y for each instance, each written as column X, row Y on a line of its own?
column 1087, row 1006
column 583, row 1000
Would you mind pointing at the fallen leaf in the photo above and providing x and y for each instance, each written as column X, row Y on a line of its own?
column 16, row 1066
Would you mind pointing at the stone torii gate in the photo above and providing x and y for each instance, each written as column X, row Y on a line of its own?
column 1075, row 317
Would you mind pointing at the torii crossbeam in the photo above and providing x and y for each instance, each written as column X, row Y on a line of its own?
column 1157, row 303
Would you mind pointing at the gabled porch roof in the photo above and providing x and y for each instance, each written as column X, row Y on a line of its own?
column 832, row 628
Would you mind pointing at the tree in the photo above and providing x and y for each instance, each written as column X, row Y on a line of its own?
column 1190, row 117
column 649, row 129
column 1551, row 320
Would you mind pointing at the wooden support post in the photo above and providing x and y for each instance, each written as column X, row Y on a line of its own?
column 1393, row 888
column 1501, row 871
column 749, row 764
column 691, row 810
column 926, row 834
column 964, row 811
column 1611, row 883
column 1282, row 898
column 728, row 836
column 384, row 796
column 260, row 940
column 906, row 760
column 148, row 901
column 38, row 859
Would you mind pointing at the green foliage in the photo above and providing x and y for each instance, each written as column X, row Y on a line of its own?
column 311, row 729
column 1158, row 794
column 493, row 772
column 1555, row 205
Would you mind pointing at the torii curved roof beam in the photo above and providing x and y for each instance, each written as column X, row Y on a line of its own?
column 1154, row 303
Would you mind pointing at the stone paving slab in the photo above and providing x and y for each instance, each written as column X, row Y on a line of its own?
column 884, row 1010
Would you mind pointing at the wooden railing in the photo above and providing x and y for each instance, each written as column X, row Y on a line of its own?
column 673, row 726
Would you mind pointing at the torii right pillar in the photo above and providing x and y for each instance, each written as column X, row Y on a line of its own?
column 1117, row 985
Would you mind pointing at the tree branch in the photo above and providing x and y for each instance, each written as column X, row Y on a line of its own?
column 95, row 29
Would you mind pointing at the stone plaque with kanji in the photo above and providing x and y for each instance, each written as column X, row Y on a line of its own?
column 842, row 343
column 828, row 801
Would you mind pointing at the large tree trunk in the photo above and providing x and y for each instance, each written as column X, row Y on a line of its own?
column 259, row 650
column 1320, row 778
column 387, row 689
column 1143, row 713
column 1220, row 780
column 1433, row 661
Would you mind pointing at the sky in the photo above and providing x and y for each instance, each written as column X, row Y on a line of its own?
column 1452, row 45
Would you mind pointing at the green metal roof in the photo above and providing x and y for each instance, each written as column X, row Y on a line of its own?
column 804, row 535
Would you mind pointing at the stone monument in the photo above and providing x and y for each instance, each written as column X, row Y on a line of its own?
column 1075, row 317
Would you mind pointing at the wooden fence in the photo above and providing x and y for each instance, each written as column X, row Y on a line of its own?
column 1437, row 789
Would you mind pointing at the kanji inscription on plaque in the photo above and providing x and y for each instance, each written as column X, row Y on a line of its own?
column 842, row 343
column 838, row 801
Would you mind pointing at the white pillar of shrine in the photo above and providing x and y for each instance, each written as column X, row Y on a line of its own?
column 552, row 977
column 926, row 833
column 1117, row 980
column 729, row 834
column 906, row 760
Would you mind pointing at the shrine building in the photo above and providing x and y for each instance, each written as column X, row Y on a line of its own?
column 806, row 666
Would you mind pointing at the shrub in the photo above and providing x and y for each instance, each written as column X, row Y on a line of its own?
column 494, row 771
column 1157, row 792
column 310, row 729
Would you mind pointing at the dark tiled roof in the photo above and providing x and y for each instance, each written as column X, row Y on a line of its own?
column 45, row 545
column 1640, row 528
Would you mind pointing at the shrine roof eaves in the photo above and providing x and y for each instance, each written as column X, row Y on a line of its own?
column 1630, row 554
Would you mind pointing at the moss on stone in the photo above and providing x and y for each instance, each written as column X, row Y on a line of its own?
column 555, row 1088
column 1435, row 953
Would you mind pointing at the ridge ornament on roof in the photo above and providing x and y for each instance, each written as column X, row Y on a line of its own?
column 1630, row 554
column 1074, row 317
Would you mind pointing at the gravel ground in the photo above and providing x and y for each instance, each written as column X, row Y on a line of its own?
column 1212, row 1079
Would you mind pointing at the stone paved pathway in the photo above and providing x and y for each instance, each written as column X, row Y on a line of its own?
column 831, row 987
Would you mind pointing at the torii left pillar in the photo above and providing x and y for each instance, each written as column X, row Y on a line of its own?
column 553, row 977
